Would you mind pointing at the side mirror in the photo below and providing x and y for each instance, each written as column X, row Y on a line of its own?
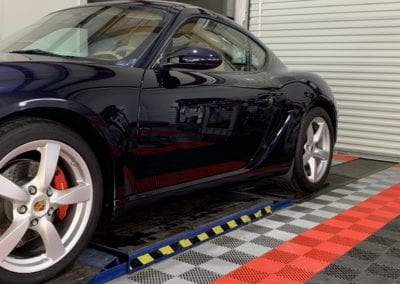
column 199, row 58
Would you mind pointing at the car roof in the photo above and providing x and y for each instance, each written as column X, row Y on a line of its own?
column 154, row 3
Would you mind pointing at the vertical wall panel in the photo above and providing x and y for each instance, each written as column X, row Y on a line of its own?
column 355, row 46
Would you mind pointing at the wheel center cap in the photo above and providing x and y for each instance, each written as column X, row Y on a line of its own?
column 40, row 205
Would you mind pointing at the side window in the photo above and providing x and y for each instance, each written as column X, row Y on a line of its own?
column 232, row 45
column 258, row 56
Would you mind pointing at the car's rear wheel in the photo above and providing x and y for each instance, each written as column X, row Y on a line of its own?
column 314, row 152
column 50, row 199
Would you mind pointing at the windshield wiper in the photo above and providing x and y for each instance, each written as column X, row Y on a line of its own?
column 38, row 52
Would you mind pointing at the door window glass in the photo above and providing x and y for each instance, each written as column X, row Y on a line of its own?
column 231, row 44
column 258, row 56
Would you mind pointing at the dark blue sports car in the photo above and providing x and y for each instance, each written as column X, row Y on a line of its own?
column 109, row 104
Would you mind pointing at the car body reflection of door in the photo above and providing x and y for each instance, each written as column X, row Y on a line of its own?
column 196, row 126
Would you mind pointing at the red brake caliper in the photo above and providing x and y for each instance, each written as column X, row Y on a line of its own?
column 59, row 182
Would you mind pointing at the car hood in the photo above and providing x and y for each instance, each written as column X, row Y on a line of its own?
column 19, row 68
column 19, row 57
column 37, row 75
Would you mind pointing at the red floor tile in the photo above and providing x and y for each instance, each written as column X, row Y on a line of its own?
column 347, row 158
column 295, row 274
column 335, row 248
column 295, row 248
column 346, row 218
column 321, row 255
column 356, row 235
column 318, row 235
column 313, row 264
column 265, row 265
column 306, row 241
column 280, row 256
column 229, row 280
column 343, row 241
column 248, row 275
column 275, row 279
column 297, row 260
column 327, row 228
column 337, row 223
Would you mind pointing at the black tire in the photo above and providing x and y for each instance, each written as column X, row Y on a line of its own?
column 299, row 180
column 21, row 131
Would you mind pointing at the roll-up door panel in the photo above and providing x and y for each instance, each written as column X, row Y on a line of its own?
column 355, row 46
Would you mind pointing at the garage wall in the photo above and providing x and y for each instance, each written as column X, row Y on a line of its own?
column 355, row 45
column 16, row 14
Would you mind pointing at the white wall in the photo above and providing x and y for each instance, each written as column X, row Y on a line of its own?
column 241, row 12
column 17, row 14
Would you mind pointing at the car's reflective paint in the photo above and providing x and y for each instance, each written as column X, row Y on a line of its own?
column 158, row 130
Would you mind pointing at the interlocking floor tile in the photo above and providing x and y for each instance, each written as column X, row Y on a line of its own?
column 292, row 229
column 200, row 275
column 253, row 228
column 341, row 272
column 237, row 257
column 193, row 257
column 219, row 266
column 173, row 267
column 253, row 249
column 228, row 242
column 242, row 235
column 385, row 271
column 150, row 276
column 267, row 241
column 280, row 235
column 303, row 223
column 211, row 249
column 371, row 261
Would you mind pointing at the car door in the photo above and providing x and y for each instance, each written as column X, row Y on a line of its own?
column 200, row 125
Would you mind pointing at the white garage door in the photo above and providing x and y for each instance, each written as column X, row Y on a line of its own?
column 355, row 46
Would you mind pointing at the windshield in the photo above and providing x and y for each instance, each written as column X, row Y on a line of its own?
column 107, row 33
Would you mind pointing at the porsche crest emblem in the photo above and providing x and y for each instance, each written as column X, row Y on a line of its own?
column 40, row 205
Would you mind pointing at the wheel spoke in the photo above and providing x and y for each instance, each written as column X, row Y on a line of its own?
column 306, row 156
column 320, row 131
column 51, row 239
column 321, row 154
column 12, row 236
column 11, row 191
column 48, row 163
column 310, row 135
column 74, row 195
column 313, row 169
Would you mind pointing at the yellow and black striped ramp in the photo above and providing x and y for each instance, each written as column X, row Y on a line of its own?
column 149, row 255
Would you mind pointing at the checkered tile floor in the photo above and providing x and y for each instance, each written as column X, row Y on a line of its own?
column 376, row 260
column 213, row 259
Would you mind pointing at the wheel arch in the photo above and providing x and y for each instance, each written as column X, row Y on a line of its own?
column 89, row 132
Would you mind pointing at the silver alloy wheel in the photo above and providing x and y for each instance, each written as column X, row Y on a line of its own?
column 317, row 150
column 34, row 202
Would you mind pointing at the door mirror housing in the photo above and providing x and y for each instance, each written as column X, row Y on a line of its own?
column 198, row 58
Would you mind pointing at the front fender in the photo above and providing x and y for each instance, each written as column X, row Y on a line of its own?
column 85, row 113
column 87, row 123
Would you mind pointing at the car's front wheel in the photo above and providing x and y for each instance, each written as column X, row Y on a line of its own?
column 50, row 198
